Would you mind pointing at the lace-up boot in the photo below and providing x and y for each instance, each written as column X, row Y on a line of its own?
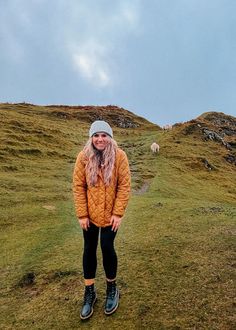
column 112, row 299
column 90, row 298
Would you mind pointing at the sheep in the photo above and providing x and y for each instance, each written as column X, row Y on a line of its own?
column 167, row 127
column 155, row 147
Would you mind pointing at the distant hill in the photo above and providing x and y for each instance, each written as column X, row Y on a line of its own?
column 213, row 126
column 54, row 130
column 33, row 132
column 222, row 124
column 116, row 116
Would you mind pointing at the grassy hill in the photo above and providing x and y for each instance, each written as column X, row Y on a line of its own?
column 176, row 246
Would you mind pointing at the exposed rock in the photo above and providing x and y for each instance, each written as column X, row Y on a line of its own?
column 192, row 128
column 27, row 279
column 227, row 131
column 126, row 123
column 212, row 135
column 208, row 165
column 230, row 158
column 114, row 115
column 214, row 126
column 220, row 119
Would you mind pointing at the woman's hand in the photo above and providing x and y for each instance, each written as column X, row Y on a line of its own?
column 115, row 222
column 84, row 223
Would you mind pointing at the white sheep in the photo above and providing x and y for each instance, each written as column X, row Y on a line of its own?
column 167, row 127
column 155, row 147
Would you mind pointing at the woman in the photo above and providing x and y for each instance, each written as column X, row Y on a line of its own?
column 101, row 185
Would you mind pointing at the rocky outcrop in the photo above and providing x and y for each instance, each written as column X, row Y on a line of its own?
column 219, row 119
column 214, row 136
column 207, row 165
column 117, row 117
column 126, row 123
column 214, row 126
column 231, row 159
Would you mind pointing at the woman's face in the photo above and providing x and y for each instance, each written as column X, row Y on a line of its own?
column 100, row 140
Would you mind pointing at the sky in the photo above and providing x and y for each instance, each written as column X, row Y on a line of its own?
column 168, row 61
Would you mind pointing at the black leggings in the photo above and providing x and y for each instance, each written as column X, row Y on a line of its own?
column 107, row 237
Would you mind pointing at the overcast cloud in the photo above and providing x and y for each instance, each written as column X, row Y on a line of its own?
column 166, row 60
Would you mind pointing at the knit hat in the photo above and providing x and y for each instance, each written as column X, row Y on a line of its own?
column 100, row 126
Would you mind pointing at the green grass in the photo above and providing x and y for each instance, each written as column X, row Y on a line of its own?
column 176, row 246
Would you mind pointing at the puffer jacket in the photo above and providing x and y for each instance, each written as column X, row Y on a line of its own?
column 100, row 202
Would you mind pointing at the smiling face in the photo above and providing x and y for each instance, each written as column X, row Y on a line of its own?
column 100, row 140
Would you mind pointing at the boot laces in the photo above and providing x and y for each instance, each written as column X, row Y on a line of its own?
column 88, row 295
column 111, row 290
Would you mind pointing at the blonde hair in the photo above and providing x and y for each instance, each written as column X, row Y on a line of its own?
column 100, row 159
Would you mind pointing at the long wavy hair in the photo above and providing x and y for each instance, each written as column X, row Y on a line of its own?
column 97, row 159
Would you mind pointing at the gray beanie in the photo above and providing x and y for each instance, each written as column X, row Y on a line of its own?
column 100, row 126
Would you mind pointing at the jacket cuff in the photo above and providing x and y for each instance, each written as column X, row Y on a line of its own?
column 118, row 215
column 83, row 217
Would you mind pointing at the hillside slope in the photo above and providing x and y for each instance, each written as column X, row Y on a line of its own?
column 176, row 245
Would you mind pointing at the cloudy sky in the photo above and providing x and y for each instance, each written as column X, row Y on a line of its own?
column 165, row 60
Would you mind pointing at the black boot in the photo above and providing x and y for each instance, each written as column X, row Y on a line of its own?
column 90, row 298
column 112, row 299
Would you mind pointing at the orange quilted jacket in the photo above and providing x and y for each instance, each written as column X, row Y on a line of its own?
column 100, row 202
